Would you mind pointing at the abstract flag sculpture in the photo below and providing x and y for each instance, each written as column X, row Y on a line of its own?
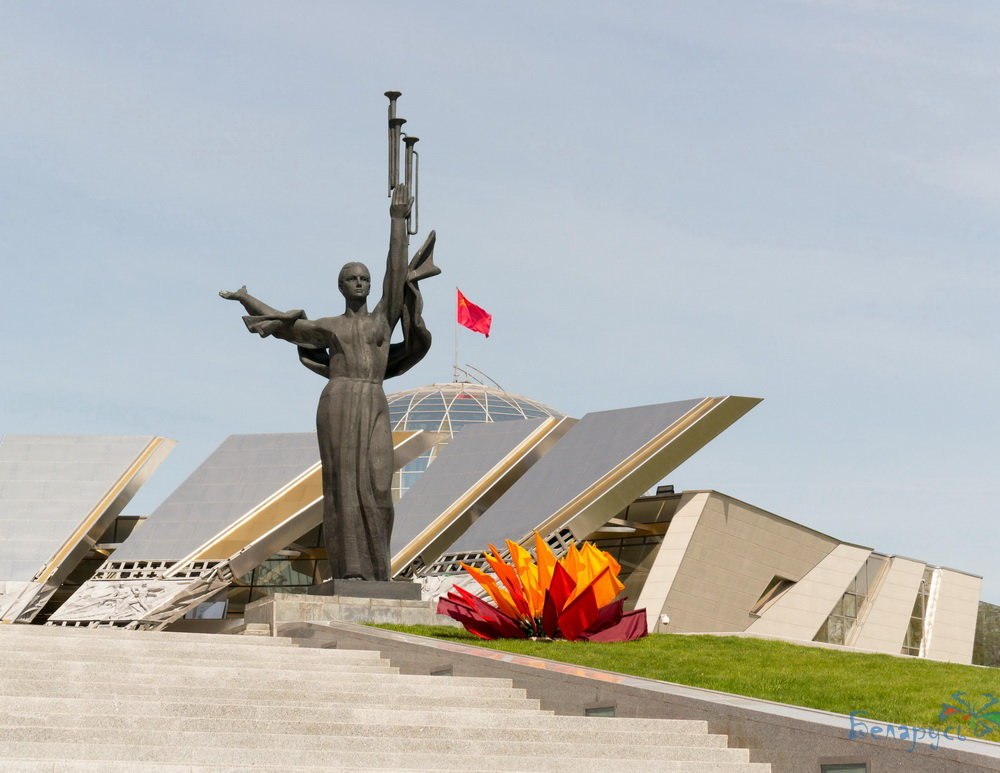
column 570, row 598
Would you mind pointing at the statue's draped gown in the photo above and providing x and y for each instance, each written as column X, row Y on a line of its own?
column 352, row 421
column 355, row 445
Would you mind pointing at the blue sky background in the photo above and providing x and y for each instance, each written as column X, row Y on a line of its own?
column 656, row 201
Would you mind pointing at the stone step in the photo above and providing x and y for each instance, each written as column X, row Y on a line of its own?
column 234, row 676
column 303, row 709
column 258, row 644
column 87, row 644
column 357, row 693
column 255, row 629
column 175, row 659
column 277, row 746
column 60, row 632
column 436, row 765
column 413, row 723
column 153, row 666
column 261, row 685
column 498, row 755
column 319, row 660
column 91, row 650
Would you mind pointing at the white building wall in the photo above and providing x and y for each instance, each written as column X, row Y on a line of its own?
column 801, row 610
column 951, row 629
column 669, row 555
column 882, row 626
column 735, row 552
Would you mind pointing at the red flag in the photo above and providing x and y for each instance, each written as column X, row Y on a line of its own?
column 472, row 316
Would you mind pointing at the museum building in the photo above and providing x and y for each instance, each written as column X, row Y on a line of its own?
column 475, row 466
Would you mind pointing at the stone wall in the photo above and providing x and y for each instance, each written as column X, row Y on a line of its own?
column 986, row 650
column 790, row 738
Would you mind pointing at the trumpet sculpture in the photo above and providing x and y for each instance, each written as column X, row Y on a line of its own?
column 411, row 161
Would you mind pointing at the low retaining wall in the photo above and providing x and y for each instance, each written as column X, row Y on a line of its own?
column 298, row 607
column 792, row 739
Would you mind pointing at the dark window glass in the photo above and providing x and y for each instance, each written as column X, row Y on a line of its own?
column 463, row 417
column 427, row 420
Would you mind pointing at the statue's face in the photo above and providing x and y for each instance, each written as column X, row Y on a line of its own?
column 355, row 282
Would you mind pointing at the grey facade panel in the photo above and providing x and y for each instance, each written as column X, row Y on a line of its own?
column 593, row 447
column 48, row 485
column 237, row 476
column 473, row 452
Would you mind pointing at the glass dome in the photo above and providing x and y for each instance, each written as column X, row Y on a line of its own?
column 447, row 408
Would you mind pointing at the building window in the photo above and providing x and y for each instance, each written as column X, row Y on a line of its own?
column 776, row 588
column 293, row 570
column 630, row 553
column 837, row 628
column 446, row 408
column 844, row 767
column 915, row 630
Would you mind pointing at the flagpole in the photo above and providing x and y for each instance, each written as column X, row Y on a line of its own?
column 454, row 370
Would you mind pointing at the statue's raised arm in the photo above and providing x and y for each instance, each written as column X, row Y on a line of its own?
column 396, row 268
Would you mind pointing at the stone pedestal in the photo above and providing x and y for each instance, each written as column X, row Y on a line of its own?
column 368, row 589
column 300, row 608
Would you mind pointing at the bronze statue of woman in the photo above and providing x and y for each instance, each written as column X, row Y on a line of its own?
column 353, row 352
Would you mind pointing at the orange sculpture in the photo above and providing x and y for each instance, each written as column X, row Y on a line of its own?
column 572, row 598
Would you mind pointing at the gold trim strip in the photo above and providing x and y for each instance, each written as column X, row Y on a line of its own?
column 472, row 494
column 638, row 457
column 99, row 509
column 306, row 489
column 291, row 499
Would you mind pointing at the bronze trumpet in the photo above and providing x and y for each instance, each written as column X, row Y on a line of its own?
column 411, row 161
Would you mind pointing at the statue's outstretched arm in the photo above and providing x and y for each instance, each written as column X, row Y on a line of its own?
column 395, row 269
column 287, row 325
column 254, row 306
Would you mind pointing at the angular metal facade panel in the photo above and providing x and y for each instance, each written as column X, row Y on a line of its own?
column 239, row 475
column 799, row 613
column 595, row 446
column 475, row 451
column 48, row 486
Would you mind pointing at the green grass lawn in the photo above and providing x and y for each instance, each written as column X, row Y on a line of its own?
column 898, row 690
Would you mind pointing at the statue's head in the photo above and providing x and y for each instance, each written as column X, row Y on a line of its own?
column 354, row 281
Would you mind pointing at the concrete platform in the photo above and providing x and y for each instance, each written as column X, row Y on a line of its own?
column 297, row 608
column 407, row 590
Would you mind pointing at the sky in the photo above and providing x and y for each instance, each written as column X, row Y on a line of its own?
column 798, row 201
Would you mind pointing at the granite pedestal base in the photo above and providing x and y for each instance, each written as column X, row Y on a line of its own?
column 299, row 608
column 368, row 589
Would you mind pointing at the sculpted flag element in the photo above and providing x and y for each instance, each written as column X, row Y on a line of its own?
column 472, row 316
column 570, row 598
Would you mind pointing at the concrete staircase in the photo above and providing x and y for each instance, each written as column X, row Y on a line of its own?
column 112, row 700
